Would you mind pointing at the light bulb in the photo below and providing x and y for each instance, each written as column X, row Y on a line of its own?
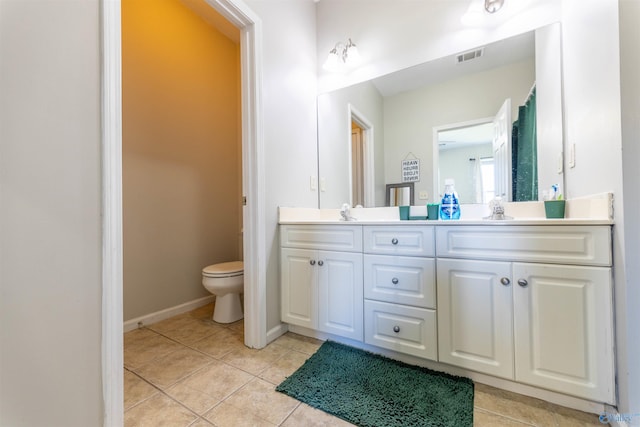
column 332, row 62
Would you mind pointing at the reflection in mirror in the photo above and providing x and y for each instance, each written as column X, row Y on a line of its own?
column 465, row 154
column 405, row 107
column 400, row 194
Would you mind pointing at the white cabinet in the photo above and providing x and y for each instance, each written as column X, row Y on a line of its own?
column 563, row 329
column 547, row 325
column 399, row 289
column 475, row 319
column 322, row 289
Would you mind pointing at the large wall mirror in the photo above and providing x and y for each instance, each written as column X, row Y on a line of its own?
column 445, row 114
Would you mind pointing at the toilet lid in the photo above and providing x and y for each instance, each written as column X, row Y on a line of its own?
column 233, row 268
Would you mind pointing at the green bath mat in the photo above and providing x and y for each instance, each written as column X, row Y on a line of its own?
column 366, row 389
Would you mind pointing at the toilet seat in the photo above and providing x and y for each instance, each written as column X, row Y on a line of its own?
column 225, row 269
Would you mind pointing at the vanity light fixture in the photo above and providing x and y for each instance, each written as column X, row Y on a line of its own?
column 341, row 55
column 492, row 6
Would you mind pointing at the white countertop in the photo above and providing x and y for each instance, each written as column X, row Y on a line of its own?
column 593, row 210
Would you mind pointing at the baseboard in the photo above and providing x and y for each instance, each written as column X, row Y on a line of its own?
column 274, row 333
column 151, row 318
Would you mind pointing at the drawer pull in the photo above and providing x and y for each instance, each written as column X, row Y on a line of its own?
column 395, row 280
column 396, row 329
column 320, row 263
column 523, row 283
column 505, row 281
column 394, row 241
column 312, row 262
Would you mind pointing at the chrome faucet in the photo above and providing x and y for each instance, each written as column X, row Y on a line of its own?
column 345, row 213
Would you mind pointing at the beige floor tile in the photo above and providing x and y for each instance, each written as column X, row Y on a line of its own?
column 487, row 419
column 142, row 346
column 207, row 387
column 157, row 411
column 220, row 343
column 284, row 367
column 255, row 361
column 261, row 399
column 226, row 415
column 185, row 328
column 305, row 415
column 201, row 422
column 204, row 312
column 566, row 417
column 173, row 367
column 237, row 326
column 299, row 343
column 515, row 406
column 136, row 389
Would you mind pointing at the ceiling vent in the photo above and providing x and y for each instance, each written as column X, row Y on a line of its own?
column 468, row 56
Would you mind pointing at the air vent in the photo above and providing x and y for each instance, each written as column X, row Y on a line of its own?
column 468, row 56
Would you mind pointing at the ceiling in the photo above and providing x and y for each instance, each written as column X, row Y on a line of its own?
column 500, row 53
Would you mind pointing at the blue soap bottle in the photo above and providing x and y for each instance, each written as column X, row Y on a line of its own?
column 450, row 205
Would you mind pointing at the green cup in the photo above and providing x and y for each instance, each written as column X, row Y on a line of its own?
column 433, row 211
column 404, row 212
column 554, row 208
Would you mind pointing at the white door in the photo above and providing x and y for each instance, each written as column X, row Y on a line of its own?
column 475, row 320
column 564, row 329
column 502, row 128
column 340, row 294
column 298, row 286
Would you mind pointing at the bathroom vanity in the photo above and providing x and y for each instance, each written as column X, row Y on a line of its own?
column 526, row 301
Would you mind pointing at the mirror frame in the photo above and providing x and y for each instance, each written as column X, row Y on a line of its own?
column 409, row 185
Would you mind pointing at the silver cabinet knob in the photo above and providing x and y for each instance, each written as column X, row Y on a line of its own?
column 523, row 283
column 320, row 263
column 312, row 262
column 505, row 281
column 395, row 280
column 396, row 329
column 394, row 241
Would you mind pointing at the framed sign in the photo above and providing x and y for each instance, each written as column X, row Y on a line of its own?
column 410, row 170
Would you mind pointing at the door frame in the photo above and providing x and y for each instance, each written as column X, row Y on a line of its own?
column 250, row 27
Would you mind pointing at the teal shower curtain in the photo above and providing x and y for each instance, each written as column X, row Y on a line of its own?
column 524, row 157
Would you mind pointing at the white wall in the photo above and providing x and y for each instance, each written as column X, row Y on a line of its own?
column 50, row 225
column 289, row 100
column 392, row 35
column 334, row 141
column 627, row 289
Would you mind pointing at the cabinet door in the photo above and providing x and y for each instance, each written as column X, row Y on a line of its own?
column 340, row 294
column 298, row 286
column 563, row 329
column 475, row 321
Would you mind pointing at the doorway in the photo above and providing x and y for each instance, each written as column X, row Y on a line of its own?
column 361, row 159
column 243, row 18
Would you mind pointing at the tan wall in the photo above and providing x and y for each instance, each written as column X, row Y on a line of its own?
column 181, row 153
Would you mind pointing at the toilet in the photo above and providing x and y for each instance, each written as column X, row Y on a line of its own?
column 226, row 282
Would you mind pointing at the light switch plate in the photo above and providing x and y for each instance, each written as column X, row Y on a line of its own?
column 423, row 195
column 572, row 156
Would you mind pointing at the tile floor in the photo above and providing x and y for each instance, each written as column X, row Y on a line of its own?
column 191, row 371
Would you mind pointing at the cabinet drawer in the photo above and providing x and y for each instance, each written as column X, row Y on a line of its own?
column 325, row 237
column 399, row 240
column 579, row 245
column 400, row 279
column 408, row 330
